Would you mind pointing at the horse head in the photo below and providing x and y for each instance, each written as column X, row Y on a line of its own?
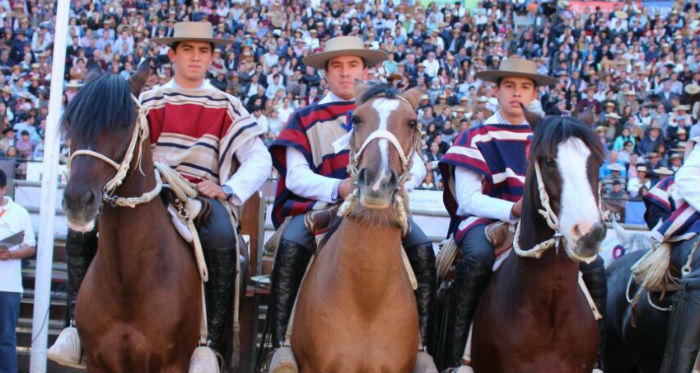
column 565, row 157
column 100, row 119
column 385, row 137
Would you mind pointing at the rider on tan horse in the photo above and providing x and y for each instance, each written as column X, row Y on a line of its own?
column 209, row 138
column 312, row 160
column 485, row 173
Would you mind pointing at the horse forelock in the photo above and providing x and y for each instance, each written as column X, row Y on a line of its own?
column 102, row 107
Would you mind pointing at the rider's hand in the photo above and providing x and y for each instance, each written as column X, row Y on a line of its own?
column 345, row 188
column 4, row 253
column 516, row 210
column 211, row 189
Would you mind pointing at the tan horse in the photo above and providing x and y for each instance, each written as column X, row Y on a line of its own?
column 356, row 308
column 139, row 306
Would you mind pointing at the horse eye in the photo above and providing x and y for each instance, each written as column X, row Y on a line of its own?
column 549, row 161
column 412, row 123
column 356, row 120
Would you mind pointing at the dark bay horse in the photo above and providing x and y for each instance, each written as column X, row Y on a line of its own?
column 140, row 305
column 356, row 308
column 533, row 317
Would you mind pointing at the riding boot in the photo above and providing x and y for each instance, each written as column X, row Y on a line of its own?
column 683, row 339
column 221, row 263
column 596, row 281
column 290, row 264
column 422, row 258
column 472, row 276
column 80, row 249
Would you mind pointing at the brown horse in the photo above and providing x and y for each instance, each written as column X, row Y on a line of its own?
column 533, row 317
column 139, row 306
column 356, row 308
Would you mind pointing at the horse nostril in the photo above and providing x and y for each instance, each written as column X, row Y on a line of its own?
column 393, row 179
column 87, row 199
column 576, row 231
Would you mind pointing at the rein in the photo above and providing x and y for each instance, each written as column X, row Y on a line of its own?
column 406, row 163
column 140, row 133
column 552, row 222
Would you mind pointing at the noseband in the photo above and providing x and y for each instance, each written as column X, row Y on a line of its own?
column 140, row 132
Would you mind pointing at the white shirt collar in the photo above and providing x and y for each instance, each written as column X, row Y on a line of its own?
column 497, row 118
column 331, row 97
column 173, row 84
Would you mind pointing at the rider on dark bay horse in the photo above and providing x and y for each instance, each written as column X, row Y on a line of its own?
column 312, row 158
column 211, row 140
column 487, row 164
column 683, row 227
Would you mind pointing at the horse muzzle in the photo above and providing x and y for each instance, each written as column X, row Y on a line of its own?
column 377, row 190
column 588, row 244
column 82, row 204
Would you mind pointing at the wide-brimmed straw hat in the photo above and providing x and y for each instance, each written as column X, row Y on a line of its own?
column 516, row 67
column 345, row 46
column 193, row 31
column 692, row 89
column 663, row 171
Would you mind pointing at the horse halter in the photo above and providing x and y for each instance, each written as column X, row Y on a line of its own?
column 406, row 163
column 552, row 222
column 141, row 132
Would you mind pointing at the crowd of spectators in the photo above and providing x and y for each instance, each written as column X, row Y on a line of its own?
column 638, row 69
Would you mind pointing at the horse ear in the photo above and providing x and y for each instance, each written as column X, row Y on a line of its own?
column 360, row 89
column 532, row 119
column 413, row 95
column 93, row 71
column 587, row 117
column 622, row 235
column 137, row 81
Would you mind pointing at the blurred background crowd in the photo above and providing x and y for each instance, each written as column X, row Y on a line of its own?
column 636, row 64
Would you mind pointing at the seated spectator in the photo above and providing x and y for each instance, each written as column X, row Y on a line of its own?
column 428, row 183
column 615, row 174
column 640, row 180
column 611, row 164
column 25, row 147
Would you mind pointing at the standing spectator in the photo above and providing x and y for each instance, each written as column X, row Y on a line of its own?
column 13, row 219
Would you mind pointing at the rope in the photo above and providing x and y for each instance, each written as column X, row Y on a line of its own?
column 135, row 201
column 686, row 268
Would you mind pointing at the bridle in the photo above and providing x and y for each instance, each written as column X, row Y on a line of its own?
column 552, row 222
column 406, row 163
column 139, row 135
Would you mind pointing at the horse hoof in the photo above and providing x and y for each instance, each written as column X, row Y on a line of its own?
column 283, row 361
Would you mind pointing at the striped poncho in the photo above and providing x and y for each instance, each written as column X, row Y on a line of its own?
column 498, row 153
column 311, row 130
column 197, row 131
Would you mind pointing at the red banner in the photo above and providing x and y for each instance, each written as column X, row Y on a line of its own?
column 605, row 6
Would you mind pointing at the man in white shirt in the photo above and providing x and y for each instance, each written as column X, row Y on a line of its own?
column 312, row 161
column 487, row 166
column 13, row 219
column 432, row 66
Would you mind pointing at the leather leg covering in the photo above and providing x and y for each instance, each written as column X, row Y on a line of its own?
column 683, row 338
column 80, row 249
column 470, row 282
column 219, row 291
column 290, row 263
column 596, row 281
column 422, row 258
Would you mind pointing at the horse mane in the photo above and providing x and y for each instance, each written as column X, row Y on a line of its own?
column 553, row 130
column 103, row 105
column 378, row 89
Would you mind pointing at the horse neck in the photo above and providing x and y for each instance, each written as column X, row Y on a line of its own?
column 128, row 236
column 367, row 256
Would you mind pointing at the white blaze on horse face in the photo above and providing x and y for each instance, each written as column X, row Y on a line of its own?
column 579, row 211
column 384, row 108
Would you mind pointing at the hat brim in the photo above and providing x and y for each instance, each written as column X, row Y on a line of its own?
column 370, row 56
column 215, row 41
column 493, row 76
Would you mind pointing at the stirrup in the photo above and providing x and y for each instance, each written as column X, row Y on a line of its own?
column 204, row 360
column 283, row 361
column 67, row 349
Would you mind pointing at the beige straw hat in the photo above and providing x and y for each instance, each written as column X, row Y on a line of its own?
column 345, row 46
column 193, row 31
column 516, row 67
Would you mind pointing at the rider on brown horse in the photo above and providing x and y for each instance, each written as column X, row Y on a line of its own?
column 487, row 164
column 312, row 159
column 210, row 139
column 683, row 227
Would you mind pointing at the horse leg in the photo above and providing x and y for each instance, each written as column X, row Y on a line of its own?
column 596, row 281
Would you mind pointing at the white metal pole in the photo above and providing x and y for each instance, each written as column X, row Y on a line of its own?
column 44, row 260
